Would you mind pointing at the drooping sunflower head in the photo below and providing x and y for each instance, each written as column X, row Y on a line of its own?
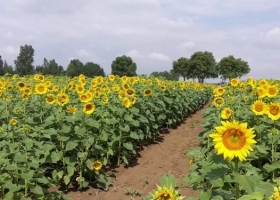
column 261, row 91
column 62, row 99
column 41, row 89
column 218, row 101
column 105, row 100
column 147, row 92
column 234, row 82
column 258, row 107
column 226, row 113
column 96, row 165
column 273, row 111
column 71, row 109
column 219, row 91
column 233, row 140
column 13, row 122
column 88, row 108
column 272, row 91
column 126, row 102
column 133, row 100
column 50, row 99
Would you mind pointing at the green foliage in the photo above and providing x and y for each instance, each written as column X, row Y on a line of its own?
column 50, row 68
column 231, row 67
column 183, row 68
column 124, row 66
column 166, row 75
column 75, row 68
column 24, row 61
column 202, row 65
column 90, row 69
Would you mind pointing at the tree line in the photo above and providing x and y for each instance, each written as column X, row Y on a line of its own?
column 200, row 65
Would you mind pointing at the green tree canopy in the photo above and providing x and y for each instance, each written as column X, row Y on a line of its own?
column 1, row 67
column 50, row 68
column 182, row 67
column 123, row 66
column 91, row 70
column 75, row 68
column 166, row 75
column 8, row 68
column 203, row 65
column 231, row 67
column 24, row 61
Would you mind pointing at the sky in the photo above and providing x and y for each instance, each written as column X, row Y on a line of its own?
column 154, row 33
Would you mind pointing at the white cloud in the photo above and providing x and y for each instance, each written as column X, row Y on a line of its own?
column 10, row 50
column 134, row 54
column 159, row 56
column 186, row 45
column 273, row 35
column 9, row 34
column 83, row 53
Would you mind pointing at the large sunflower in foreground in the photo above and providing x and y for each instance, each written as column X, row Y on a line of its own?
column 276, row 195
column 233, row 139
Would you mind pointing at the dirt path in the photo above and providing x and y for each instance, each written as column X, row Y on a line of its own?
column 155, row 161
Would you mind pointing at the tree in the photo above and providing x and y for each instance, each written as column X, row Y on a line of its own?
column 123, row 66
column 1, row 67
column 91, row 69
column 75, row 68
column 230, row 67
column 203, row 65
column 8, row 68
column 23, row 64
column 50, row 68
column 182, row 67
column 166, row 75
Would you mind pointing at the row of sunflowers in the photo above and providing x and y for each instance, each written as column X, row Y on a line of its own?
column 239, row 157
column 61, row 131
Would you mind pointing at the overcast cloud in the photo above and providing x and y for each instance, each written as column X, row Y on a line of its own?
column 153, row 32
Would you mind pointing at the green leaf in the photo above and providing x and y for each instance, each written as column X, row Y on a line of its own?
column 125, row 128
column 70, row 145
column 56, row 156
column 248, row 183
column 128, row 146
column 9, row 196
column 205, row 195
column 217, row 183
column 253, row 196
column 11, row 186
column 38, row 190
column 216, row 173
column 27, row 176
column 265, row 187
column 92, row 123
column 272, row 167
column 134, row 135
column 66, row 179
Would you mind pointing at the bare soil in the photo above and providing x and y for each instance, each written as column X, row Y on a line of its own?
column 154, row 161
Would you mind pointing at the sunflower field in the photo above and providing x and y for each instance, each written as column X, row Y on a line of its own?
column 58, row 131
column 239, row 157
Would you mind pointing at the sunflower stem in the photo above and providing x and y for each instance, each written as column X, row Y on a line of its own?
column 236, row 169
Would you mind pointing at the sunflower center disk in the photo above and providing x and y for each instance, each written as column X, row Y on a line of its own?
column 274, row 110
column 234, row 139
column 259, row 108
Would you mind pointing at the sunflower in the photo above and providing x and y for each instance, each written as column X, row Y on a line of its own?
column 125, row 86
column 50, row 99
column 124, row 79
column 80, row 89
column 226, row 113
column 258, row 107
column 133, row 100
column 276, row 195
column 126, row 102
column 163, row 87
column 25, row 97
column 84, row 98
column 273, row 111
column 147, row 92
column 105, row 100
column 40, row 77
column 40, row 89
column 13, row 122
column 166, row 193
column 116, row 87
column 111, row 77
column 234, row 82
column 261, row 91
column 97, row 165
column 71, row 109
column 21, row 84
column 62, row 99
column 218, row 101
column 219, row 91
column 233, row 139
column 88, row 108
column 272, row 91
column 130, row 92
column 9, row 87
column 26, row 90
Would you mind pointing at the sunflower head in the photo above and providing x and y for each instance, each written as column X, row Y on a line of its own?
column 273, row 111
column 219, row 91
column 258, row 107
column 272, row 91
column 41, row 89
column 276, row 194
column 226, row 113
column 147, row 92
column 111, row 77
column 218, row 101
column 96, row 165
column 13, row 122
column 50, row 99
column 126, row 102
column 71, row 109
column 88, row 108
column 166, row 193
column 234, row 82
column 233, row 140
column 84, row 97
column 62, row 99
